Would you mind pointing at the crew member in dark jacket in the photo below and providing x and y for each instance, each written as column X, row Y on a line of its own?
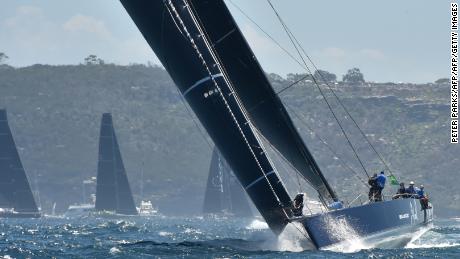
column 401, row 193
column 298, row 205
column 373, row 187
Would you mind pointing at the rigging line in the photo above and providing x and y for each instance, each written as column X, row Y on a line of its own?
column 280, row 160
column 205, row 36
column 230, row 84
column 342, row 105
column 322, row 77
column 277, row 44
column 194, row 119
column 291, row 36
column 293, row 83
column 326, row 144
column 202, row 33
column 267, row 34
column 284, row 159
column 298, row 62
column 291, row 166
column 284, row 167
column 301, row 232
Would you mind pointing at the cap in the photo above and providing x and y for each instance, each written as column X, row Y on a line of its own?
column 411, row 183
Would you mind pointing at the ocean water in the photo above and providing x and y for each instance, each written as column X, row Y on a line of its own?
column 199, row 237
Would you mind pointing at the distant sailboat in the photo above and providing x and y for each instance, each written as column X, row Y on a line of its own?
column 16, row 198
column 224, row 193
column 113, row 193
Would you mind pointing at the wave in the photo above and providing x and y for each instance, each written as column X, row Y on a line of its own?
column 437, row 237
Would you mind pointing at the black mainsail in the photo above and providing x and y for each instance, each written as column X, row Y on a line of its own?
column 223, row 191
column 113, row 192
column 260, row 100
column 15, row 192
column 172, row 30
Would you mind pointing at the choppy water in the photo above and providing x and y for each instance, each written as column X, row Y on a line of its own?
column 192, row 238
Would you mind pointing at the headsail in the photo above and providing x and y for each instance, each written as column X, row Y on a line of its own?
column 213, row 196
column 250, row 82
column 172, row 31
column 15, row 192
column 113, row 192
column 223, row 192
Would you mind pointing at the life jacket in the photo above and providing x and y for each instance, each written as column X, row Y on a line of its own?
column 381, row 179
column 411, row 189
column 421, row 193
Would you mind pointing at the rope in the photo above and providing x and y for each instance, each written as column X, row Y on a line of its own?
column 344, row 108
column 322, row 77
column 240, row 105
column 192, row 41
column 301, row 232
column 285, row 160
column 293, row 41
column 267, row 34
column 326, row 144
column 292, row 84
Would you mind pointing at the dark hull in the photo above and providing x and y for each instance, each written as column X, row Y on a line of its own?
column 369, row 222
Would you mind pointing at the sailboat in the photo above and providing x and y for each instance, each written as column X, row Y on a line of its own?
column 207, row 56
column 16, row 197
column 224, row 194
column 113, row 193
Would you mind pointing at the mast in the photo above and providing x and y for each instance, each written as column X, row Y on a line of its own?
column 173, row 33
column 15, row 191
column 264, row 106
column 142, row 181
column 112, row 189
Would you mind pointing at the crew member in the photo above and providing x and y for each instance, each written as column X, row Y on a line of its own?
column 298, row 205
column 381, row 179
column 401, row 193
column 373, row 187
column 336, row 205
column 423, row 198
column 411, row 190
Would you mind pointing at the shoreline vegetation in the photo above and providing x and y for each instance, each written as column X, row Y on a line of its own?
column 54, row 112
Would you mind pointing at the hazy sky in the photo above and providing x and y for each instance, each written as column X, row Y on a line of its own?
column 389, row 40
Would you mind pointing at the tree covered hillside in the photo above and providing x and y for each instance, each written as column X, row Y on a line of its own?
column 55, row 112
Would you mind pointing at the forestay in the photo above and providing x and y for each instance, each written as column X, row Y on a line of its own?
column 248, row 79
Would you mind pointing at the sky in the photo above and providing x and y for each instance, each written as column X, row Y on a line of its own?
column 391, row 40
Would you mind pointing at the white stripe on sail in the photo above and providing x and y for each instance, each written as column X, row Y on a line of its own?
column 199, row 82
column 258, row 179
